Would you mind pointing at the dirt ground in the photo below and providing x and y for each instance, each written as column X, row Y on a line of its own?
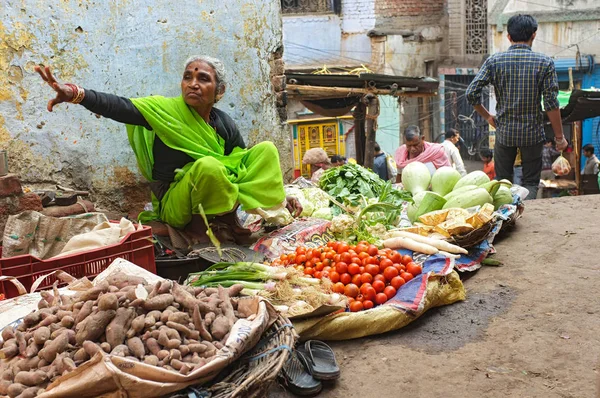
column 530, row 328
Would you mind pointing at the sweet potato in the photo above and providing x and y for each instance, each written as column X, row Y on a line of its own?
column 162, row 354
column 235, row 290
column 8, row 333
column 15, row 389
column 118, row 327
column 159, row 302
column 199, row 325
column 164, row 318
column 32, row 319
column 32, row 349
column 182, row 367
column 152, row 345
column 184, row 330
column 61, row 314
column 197, row 348
column 149, row 321
column 187, row 300
column 220, row 327
column 151, row 360
column 94, row 293
column 67, row 322
column 55, row 347
column 91, row 348
column 30, row 392
column 105, row 347
column 108, row 301
column 137, row 325
column 165, row 286
column 41, row 335
column 121, row 280
column 8, row 374
column 209, row 318
column 81, row 355
column 95, row 326
column 120, row 351
column 9, row 351
column 49, row 320
column 84, row 312
column 4, row 384
column 21, row 342
column 29, row 379
column 136, row 347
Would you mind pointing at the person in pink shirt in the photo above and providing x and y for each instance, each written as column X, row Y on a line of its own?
column 416, row 149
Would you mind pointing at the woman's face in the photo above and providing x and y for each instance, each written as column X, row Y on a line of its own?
column 199, row 85
column 415, row 147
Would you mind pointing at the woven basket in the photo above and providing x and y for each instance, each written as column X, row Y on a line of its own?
column 474, row 237
column 253, row 374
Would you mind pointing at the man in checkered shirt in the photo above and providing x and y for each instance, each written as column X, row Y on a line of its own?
column 520, row 78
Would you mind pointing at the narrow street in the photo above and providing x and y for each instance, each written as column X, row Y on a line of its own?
column 529, row 328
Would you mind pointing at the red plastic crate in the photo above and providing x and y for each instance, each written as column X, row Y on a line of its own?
column 137, row 247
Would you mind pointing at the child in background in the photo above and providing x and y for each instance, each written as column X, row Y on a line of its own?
column 488, row 163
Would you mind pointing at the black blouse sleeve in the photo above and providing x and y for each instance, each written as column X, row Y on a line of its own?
column 120, row 109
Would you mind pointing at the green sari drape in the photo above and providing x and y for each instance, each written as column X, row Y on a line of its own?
column 250, row 177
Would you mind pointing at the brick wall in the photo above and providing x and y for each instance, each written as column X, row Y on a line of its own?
column 358, row 16
column 408, row 14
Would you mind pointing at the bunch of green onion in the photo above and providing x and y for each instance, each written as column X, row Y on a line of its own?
column 253, row 276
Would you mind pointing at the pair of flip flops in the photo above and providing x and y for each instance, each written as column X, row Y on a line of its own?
column 308, row 366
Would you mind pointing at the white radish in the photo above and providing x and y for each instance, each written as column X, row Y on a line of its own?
column 449, row 255
column 405, row 243
column 437, row 243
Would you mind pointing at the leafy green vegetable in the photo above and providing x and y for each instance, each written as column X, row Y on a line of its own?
column 354, row 185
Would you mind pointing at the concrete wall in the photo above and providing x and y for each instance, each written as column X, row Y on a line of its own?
column 132, row 48
column 562, row 24
column 312, row 41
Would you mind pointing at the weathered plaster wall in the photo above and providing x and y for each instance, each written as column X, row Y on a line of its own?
column 131, row 48
column 562, row 24
column 312, row 41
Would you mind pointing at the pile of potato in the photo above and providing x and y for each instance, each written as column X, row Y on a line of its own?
column 177, row 327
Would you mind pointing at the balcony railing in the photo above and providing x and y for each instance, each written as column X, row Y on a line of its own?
column 307, row 6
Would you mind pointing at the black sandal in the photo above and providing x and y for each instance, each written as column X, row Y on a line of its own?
column 321, row 360
column 296, row 377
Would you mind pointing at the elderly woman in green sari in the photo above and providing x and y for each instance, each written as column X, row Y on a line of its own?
column 191, row 152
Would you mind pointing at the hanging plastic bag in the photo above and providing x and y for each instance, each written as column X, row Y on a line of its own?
column 561, row 166
column 392, row 169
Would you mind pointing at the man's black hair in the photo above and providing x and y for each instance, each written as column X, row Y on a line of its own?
column 486, row 153
column 376, row 147
column 336, row 159
column 588, row 148
column 451, row 133
column 521, row 27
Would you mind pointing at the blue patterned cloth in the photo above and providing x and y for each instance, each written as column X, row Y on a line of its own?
column 520, row 78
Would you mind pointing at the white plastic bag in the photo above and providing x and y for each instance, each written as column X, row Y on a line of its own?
column 561, row 166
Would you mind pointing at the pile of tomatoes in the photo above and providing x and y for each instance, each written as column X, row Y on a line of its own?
column 367, row 275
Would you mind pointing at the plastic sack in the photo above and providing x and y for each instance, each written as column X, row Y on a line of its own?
column 392, row 168
column 438, row 285
column 561, row 166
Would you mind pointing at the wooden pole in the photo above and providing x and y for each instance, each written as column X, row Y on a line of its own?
column 371, row 128
column 359, row 131
column 576, row 127
column 425, row 116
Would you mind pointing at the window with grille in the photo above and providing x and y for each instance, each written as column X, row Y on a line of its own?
column 308, row 6
column 476, row 27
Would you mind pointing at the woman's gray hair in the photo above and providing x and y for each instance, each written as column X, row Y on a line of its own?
column 217, row 66
column 412, row 132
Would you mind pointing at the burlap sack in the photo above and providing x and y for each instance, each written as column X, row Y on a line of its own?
column 41, row 236
column 109, row 376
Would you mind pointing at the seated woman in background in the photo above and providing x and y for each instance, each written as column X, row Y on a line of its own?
column 416, row 149
column 191, row 152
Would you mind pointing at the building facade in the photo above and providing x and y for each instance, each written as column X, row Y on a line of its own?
column 130, row 50
column 403, row 38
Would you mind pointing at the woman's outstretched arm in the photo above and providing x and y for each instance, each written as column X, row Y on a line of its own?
column 112, row 106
